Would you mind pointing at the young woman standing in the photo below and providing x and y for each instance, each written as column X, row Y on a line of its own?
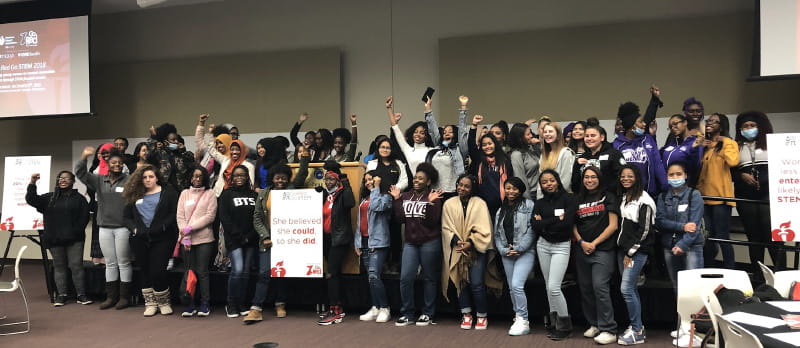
column 149, row 214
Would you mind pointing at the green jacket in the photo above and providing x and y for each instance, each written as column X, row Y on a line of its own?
column 260, row 221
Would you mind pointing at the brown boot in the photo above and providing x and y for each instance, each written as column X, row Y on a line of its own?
column 150, row 304
column 112, row 295
column 124, row 295
column 280, row 310
column 253, row 316
column 164, row 302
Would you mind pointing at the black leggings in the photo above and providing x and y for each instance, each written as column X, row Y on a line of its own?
column 152, row 258
column 197, row 260
column 335, row 256
column 756, row 223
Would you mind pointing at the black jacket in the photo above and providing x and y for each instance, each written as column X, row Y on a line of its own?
column 64, row 221
column 164, row 224
column 341, row 225
column 551, row 227
column 235, row 211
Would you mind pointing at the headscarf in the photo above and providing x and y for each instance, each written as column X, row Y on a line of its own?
column 226, row 140
column 102, row 166
column 233, row 164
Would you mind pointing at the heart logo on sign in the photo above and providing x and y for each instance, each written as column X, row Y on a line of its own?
column 783, row 233
column 278, row 271
column 8, row 224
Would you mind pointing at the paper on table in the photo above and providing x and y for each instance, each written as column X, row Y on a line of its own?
column 792, row 338
column 755, row 320
column 788, row 306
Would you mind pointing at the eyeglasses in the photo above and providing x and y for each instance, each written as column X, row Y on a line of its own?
column 64, row 178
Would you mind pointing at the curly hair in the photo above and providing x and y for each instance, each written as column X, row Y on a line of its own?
column 430, row 172
column 134, row 188
column 342, row 133
column 164, row 130
column 409, row 134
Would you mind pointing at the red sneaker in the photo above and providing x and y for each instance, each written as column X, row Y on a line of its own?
column 466, row 321
column 481, row 323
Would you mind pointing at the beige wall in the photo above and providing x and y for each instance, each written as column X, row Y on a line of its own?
column 573, row 73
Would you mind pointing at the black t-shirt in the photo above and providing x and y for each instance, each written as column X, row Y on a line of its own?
column 591, row 218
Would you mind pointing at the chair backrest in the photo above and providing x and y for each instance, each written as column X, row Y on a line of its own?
column 692, row 284
column 769, row 276
column 16, row 264
column 713, row 308
column 784, row 279
column 736, row 336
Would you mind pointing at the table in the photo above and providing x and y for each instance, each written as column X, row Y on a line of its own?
column 760, row 332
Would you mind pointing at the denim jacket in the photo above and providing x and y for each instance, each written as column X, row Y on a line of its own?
column 523, row 233
column 379, row 213
column 673, row 211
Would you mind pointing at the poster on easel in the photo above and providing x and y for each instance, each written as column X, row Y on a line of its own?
column 784, row 185
column 16, row 213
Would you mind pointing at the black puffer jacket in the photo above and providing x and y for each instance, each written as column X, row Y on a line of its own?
column 65, row 220
column 341, row 223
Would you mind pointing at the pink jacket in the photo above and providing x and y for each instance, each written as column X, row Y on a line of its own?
column 197, row 207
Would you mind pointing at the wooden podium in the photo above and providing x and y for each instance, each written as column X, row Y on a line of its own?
column 354, row 171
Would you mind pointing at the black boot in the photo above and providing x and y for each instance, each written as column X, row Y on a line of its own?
column 563, row 328
column 112, row 295
column 550, row 323
column 124, row 295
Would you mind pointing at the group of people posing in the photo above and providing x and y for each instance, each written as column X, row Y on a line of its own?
column 473, row 201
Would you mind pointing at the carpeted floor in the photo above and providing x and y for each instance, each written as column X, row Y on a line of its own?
column 76, row 325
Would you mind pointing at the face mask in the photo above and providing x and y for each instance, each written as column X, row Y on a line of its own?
column 675, row 183
column 445, row 143
column 750, row 134
column 638, row 131
column 172, row 146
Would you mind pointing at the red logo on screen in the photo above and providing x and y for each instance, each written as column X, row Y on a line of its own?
column 783, row 233
column 8, row 224
column 278, row 271
column 313, row 270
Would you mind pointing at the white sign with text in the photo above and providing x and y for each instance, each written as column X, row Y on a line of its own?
column 296, row 232
column 17, row 214
column 784, row 184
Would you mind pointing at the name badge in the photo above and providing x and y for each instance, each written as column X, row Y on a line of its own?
column 140, row 201
column 682, row 207
column 190, row 202
column 118, row 189
column 669, row 148
column 558, row 212
column 603, row 157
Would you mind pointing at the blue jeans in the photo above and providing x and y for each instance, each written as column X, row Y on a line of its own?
column 517, row 269
column 429, row 255
column 554, row 258
column 262, row 284
column 691, row 259
column 629, row 290
column 594, row 276
column 241, row 259
column 477, row 289
column 718, row 221
column 376, row 258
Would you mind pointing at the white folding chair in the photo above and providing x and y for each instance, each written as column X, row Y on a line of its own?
column 783, row 280
column 12, row 286
column 694, row 283
column 713, row 308
column 736, row 336
column 769, row 276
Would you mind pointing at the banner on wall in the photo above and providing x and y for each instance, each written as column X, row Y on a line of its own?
column 784, row 182
column 17, row 214
column 296, row 232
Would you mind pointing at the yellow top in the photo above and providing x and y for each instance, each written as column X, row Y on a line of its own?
column 715, row 175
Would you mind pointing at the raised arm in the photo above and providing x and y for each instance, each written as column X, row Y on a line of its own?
column 32, row 198
column 463, row 132
column 296, row 129
column 433, row 126
column 199, row 135
column 351, row 149
column 91, row 180
column 652, row 107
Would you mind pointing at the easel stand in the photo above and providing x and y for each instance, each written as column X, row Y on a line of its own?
column 35, row 238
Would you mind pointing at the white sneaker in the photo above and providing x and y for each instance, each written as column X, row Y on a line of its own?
column 383, row 315
column 605, row 338
column 673, row 334
column 591, row 332
column 520, row 327
column 683, row 341
column 370, row 315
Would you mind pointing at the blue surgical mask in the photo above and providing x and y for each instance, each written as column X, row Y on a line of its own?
column 675, row 183
column 445, row 143
column 172, row 146
column 750, row 134
column 638, row 131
